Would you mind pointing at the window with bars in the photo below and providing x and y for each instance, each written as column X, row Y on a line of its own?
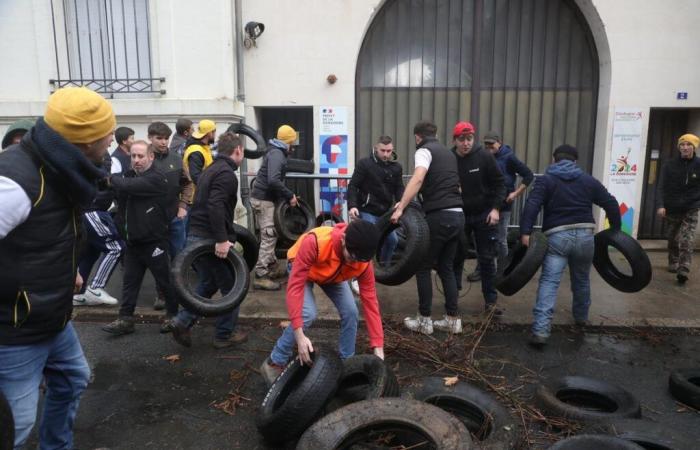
column 104, row 45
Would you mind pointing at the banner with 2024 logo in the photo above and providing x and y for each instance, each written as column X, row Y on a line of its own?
column 624, row 162
column 333, row 142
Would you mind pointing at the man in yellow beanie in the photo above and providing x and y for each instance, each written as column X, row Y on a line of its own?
column 268, row 189
column 45, row 181
column 678, row 201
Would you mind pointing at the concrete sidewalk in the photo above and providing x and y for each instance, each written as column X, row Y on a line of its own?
column 662, row 303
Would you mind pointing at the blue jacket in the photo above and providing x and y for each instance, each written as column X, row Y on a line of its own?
column 511, row 167
column 567, row 194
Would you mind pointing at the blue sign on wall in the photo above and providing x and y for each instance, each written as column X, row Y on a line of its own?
column 681, row 95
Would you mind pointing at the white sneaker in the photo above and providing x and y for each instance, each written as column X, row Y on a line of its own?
column 79, row 300
column 420, row 324
column 99, row 297
column 449, row 324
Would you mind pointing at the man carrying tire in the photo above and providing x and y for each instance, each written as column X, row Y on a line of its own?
column 211, row 217
column 678, row 201
column 376, row 185
column 568, row 195
column 268, row 189
column 329, row 257
column 435, row 178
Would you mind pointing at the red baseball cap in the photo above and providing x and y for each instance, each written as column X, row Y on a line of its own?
column 463, row 128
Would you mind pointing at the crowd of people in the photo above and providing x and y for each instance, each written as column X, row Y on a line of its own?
column 144, row 202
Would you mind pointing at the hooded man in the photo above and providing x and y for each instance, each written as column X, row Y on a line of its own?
column 15, row 131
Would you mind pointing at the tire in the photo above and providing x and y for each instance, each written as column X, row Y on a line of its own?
column 412, row 255
column 7, row 425
column 249, row 243
column 487, row 420
column 636, row 257
column 594, row 442
column 292, row 222
column 326, row 218
column 646, row 434
column 365, row 377
column 599, row 401
column 521, row 264
column 201, row 305
column 300, row 165
column 685, row 386
column 408, row 421
column 245, row 130
column 298, row 396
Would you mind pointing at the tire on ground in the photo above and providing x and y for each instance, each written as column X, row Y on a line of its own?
column 201, row 305
column 7, row 425
column 291, row 222
column 587, row 400
column 415, row 252
column 298, row 395
column 646, row 433
column 401, row 423
column 487, row 419
column 300, row 165
column 594, row 442
column 327, row 219
column 365, row 377
column 249, row 243
column 521, row 264
column 245, row 130
column 685, row 386
column 636, row 257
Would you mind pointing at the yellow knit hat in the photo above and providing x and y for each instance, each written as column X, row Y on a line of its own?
column 80, row 115
column 286, row 134
column 690, row 139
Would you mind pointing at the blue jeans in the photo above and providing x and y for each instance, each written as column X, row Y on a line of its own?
column 390, row 242
column 178, row 235
column 503, row 234
column 341, row 296
column 575, row 248
column 61, row 361
column 212, row 275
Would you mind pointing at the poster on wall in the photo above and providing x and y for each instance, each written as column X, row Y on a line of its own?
column 333, row 142
column 624, row 162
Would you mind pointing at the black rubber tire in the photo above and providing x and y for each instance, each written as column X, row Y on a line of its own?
column 521, row 264
column 486, row 418
column 298, row 395
column 249, row 244
column 685, row 386
column 300, row 165
column 594, row 442
column 246, row 130
column 327, row 217
column 635, row 255
column 413, row 255
column 342, row 429
column 365, row 377
column 292, row 222
column 646, row 434
column 7, row 425
column 606, row 401
column 204, row 306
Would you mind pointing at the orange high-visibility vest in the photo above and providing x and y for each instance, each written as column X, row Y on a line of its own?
column 329, row 267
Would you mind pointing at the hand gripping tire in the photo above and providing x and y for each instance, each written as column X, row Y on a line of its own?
column 245, row 130
column 413, row 255
column 300, row 165
column 7, row 425
column 365, row 377
column 249, row 243
column 587, row 400
column 521, row 264
column 595, row 442
column 407, row 422
column 298, row 396
column 646, row 433
column 204, row 306
column 487, row 420
column 291, row 222
column 685, row 386
column 327, row 218
column 636, row 257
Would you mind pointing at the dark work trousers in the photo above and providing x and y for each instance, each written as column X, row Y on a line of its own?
column 486, row 239
column 445, row 227
column 139, row 257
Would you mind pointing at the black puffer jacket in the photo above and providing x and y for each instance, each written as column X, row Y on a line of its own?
column 679, row 185
column 269, row 183
column 375, row 185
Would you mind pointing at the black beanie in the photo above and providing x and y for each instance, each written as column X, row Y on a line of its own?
column 361, row 239
column 566, row 151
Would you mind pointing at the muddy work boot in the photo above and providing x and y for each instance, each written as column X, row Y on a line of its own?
column 270, row 371
column 682, row 278
column 182, row 335
column 537, row 340
column 266, row 284
column 167, row 325
column 238, row 337
column 120, row 327
column 280, row 271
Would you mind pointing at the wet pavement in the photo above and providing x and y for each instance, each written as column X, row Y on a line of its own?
column 140, row 399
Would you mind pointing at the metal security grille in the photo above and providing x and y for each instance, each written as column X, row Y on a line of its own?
column 527, row 69
column 104, row 45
